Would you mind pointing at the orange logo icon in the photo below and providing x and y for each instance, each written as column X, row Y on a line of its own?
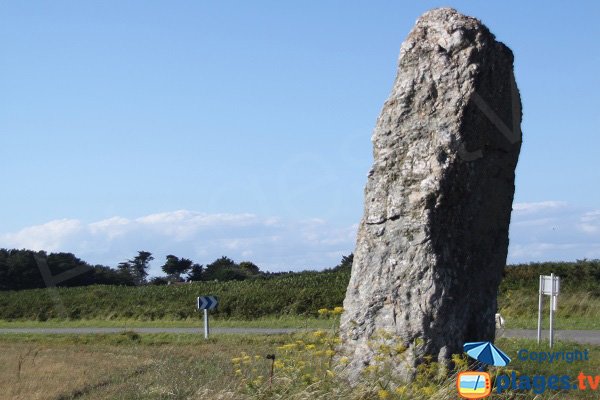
column 473, row 385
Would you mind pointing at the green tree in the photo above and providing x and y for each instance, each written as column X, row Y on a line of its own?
column 108, row 276
column 125, row 271
column 223, row 269
column 138, row 266
column 196, row 273
column 346, row 263
column 175, row 266
column 249, row 267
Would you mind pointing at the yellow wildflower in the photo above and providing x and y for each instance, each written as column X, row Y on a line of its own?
column 384, row 349
column 428, row 390
column 383, row 394
column 400, row 348
column 400, row 390
column 330, row 353
column 344, row 360
column 371, row 369
column 310, row 347
column 258, row 381
column 459, row 361
column 337, row 310
column 319, row 334
column 323, row 311
column 288, row 346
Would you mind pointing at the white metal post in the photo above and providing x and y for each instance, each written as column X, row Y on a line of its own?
column 540, row 305
column 552, row 309
column 205, row 323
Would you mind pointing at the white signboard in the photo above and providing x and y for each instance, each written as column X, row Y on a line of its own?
column 546, row 283
column 549, row 286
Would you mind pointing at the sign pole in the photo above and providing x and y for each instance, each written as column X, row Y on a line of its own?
column 540, row 305
column 206, row 303
column 552, row 309
column 205, row 323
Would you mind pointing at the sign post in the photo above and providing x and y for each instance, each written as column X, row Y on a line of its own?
column 206, row 303
column 540, row 306
column 205, row 323
column 550, row 286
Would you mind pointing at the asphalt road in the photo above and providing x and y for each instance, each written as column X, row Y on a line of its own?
column 579, row 336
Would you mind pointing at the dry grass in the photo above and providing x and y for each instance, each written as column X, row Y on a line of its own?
column 131, row 366
column 122, row 366
column 47, row 372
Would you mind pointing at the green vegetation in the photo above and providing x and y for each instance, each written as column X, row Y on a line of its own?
column 136, row 269
column 286, row 321
column 27, row 269
column 292, row 294
column 579, row 276
column 295, row 296
column 578, row 302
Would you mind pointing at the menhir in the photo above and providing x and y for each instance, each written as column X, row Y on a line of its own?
column 433, row 240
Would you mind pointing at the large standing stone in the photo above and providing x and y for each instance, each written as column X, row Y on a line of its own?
column 433, row 240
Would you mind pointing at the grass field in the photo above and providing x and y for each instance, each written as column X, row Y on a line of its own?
column 287, row 321
column 286, row 301
column 126, row 366
column 169, row 366
column 576, row 310
column 131, row 366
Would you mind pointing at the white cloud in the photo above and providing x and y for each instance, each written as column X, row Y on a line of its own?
column 540, row 251
column 48, row 236
column 542, row 231
column 111, row 227
column 590, row 222
column 183, row 224
column 534, row 207
column 553, row 231
column 272, row 243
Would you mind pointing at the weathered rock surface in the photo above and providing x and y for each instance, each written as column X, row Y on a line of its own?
column 433, row 240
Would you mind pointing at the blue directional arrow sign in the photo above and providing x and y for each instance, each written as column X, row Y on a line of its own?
column 207, row 302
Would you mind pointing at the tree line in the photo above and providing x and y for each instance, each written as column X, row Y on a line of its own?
column 21, row 269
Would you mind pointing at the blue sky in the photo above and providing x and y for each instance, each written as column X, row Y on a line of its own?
column 243, row 128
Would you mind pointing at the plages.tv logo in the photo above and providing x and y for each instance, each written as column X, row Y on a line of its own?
column 473, row 385
column 477, row 384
